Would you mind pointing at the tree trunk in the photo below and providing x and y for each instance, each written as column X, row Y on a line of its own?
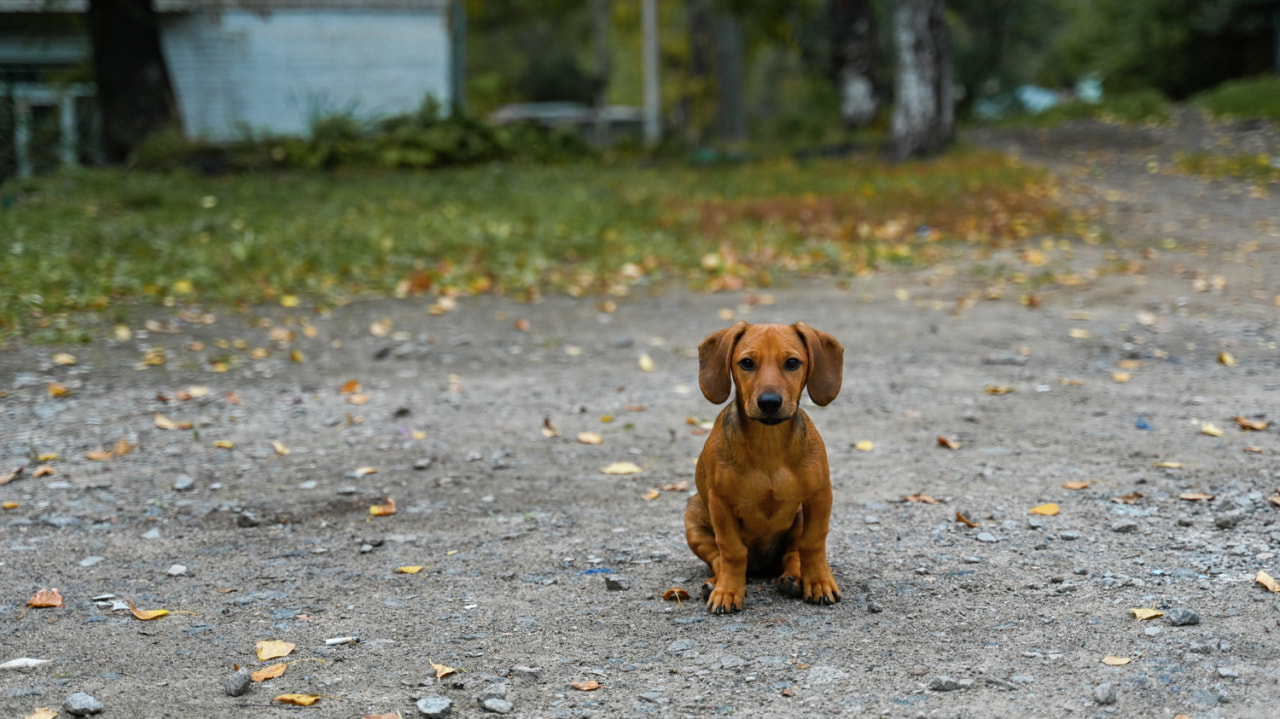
column 852, row 26
column 132, row 81
column 923, row 111
column 731, row 111
column 601, row 11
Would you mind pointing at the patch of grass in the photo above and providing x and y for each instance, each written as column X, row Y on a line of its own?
column 99, row 240
column 1257, row 97
column 1258, row 168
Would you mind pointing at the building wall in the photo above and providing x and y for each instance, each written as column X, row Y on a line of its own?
column 275, row 73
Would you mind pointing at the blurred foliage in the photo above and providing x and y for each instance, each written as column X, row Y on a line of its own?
column 1258, row 168
column 1147, row 107
column 97, row 239
column 1253, row 97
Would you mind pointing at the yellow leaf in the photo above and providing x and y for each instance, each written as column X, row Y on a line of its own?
column 154, row 357
column 441, row 670
column 384, row 510
column 1121, row 377
column 1047, row 510
column 1226, row 359
column 1079, row 484
column 590, row 438
column 549, row 429
column 652, row 494
column 646, row 363
column 288, row 300
column 42, row 713
column 1210, row 429
column 47, row 456
column 57, row 389
column 273, row 649
column 418, row 434
column 998, row 389
column 606, row 418
column 362, row 471
column 224, row 444
column 1129, row 364
column 163, row 422
column 1079, row 333
column 1169, row 465
column 258, row 353
column 409, row 570
column 865, row 445
column 270, row 672
column 147, row 614
column 279, row 448
column 1145, row 613
column 65, row 359
column 622, row 468
column 587, row 686
column 1112, row 660
column 1267, row 581
column 1195, row 496
column 10, row 505
column 100, row 455
column 45, row 598
column 123, row 333
column 297, row 356
column 122, row 447
column 302, row 700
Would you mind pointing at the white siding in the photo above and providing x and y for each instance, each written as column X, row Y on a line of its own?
column 277, row 72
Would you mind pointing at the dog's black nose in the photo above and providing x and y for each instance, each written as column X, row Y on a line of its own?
column 769, row 402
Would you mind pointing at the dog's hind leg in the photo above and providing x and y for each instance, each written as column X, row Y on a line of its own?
column 702, row 539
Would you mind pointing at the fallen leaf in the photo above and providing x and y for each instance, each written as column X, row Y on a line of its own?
column 681, row 486
column 302, row 700
column 43, row 470
column 384, row 510
column 1253, row 450
column 7, row 478
column 606, row 418
column 948, row 443
column 122, row 333
column 675, row 593
column 47, row 456
column 1249, row 425
column 57, row 389
column 1195, row 496
column 1145, row 613
column 1210, row 429
column 273, row 649
column 998, row 389
column 1226, row 359
column 279, row 448
column 270, row 672
column 865, row 445
column 122, row 447
column 1169, row 465
column 549, row 429
column 1130, row 498
column 522, row 324
column 965, row 520
column 1129, row 364
column 46, row 598
column 587, row 686
column 1078, row 333
column 1046, row 510
column 652, row 494
column 590, row 438
column 154, row 357
column 100, row 455
column 1274, row 499
column 441, row 670
column 233, row 398
column 288, row 300
column 42, row 713
column 362, row 471
column 1267, row 581
column 646, row 363
column 636, row 408
column 351, row 386
column 622, row 468
column 15, row 505
column 297, row 356
column 147, row 614
column 358, row 399
column 1121, row 377
column 380, row 328
column 409, row 570
column 1078, row 484
column 1112, row 660
column 163, row 422
column 63, row 358
column 224, row 444
column 920, row 497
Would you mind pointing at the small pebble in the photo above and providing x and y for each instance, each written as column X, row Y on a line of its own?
column 184, row 483
column 424, row 463
column 1228, row 520
column 526, row 675
column 177, row 570
column 90, row 561
column 247, row 519
column 238, row 683
column 81, row 704
column 1124, row 526
column 1228, row 673
column 496, row 690
column 495, row 705
column 1182, row 617
column 987, row 537
column 944, row 684
column 434, row 705
column 616, row 584
column 1105, row 694
column 153, row 533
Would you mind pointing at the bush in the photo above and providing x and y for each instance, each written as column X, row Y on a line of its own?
column 1249, row 98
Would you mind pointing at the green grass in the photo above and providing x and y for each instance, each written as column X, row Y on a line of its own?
column 1258, row 168
column 1257, row 97
column 101, row 240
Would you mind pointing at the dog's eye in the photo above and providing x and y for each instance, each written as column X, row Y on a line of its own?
column 792, row 364
column 747, row 363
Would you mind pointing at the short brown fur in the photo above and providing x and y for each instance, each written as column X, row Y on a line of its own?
column 763, row 505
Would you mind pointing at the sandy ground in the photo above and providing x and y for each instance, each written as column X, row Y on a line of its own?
column 518, row 532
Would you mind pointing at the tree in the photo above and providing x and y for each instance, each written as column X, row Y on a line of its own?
column 853, row 53
column 923, row 112
column 129, row 69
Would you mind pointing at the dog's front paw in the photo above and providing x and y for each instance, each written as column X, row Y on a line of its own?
column 789, row 586
column 822, row 590
column 726, row 601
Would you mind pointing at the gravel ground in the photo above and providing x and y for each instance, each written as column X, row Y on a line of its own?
column 540, row 571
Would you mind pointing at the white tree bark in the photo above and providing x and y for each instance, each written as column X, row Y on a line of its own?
column 924, row 110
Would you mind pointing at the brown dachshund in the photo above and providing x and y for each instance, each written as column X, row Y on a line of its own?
column 764, row 490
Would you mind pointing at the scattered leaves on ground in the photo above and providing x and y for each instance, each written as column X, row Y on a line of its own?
column 441, row 670
column 1077, row 484
column 1047, row 510
column 1130, row 498
column 965, row 520
column 147, row 614
column 1145, row 613
column 622, row 468
column 384, row 510
column 1112, row 660
column 271, row 672
column 587, row 686
column 273, row 649
column 920, row 497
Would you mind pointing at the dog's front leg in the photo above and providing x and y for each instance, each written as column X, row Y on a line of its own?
column 731, row 565
column 815, row 574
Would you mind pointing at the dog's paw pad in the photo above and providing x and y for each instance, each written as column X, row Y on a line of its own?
column 789, row 586
column 708, row 587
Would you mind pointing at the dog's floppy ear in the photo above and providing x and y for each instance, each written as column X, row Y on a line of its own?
column 714, row 376
column 826, row 363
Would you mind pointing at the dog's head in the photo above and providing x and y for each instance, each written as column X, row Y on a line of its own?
column 770, row 365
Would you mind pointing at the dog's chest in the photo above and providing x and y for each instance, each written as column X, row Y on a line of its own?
column 772, row 502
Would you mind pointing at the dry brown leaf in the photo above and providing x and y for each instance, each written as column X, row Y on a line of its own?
column 1112, row 660
column 273, row 649
column 652, row 494
column 384, row 510
column 99, row 455
column 549, row 429
column 297, row 356
column 1226, row 359
column 587, row 686
column 1250, row 425
column 1045, row 510
column 1169, row 465
column 998, row 389
column 46, row 598
column 948, row 443
column 7, row 478
column 163, row 422
column 675, row 593
column 271, row 672
column 57, row 389
column 681, row 486
column 1144, row 613
column 1210, row 429
column 441, row 670
column 1196, row 496
column 965, row 520
column 1275, row 498
column 42, row 713
column 279, row 448
column 920, row 497
column 358, row 399
column 1079, row 484
column 63, row 358
column 147, row 614
column 1130, row 498
column 590, row 438
column 622, row 468
column 302, row 700
column 351, row 386
column 122, row 447
column 1267, row 581
column 1253, row 450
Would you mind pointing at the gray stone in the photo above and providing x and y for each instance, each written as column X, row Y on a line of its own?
column 238, row 683
column 434, row 705
column 681, row 645
column 1124, row 526
column 823, row 675
column 1182, row 617
column 153, row 533
column 988, row 537
column 1228, row 673
column 177, row 570
column 496, row 690
column 1227, row 520
column 495, row 705
column 81, row 704
column 526, row 675
column 90, row 561
column 1022, row 679
column 729, row 661
column 424, row 463
column 944, row 684
column 653, row 698
column 1105, row 694
column 19, row 692
column 615, row 583
column 184, row 483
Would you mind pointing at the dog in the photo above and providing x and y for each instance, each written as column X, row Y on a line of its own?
column 763, row 505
